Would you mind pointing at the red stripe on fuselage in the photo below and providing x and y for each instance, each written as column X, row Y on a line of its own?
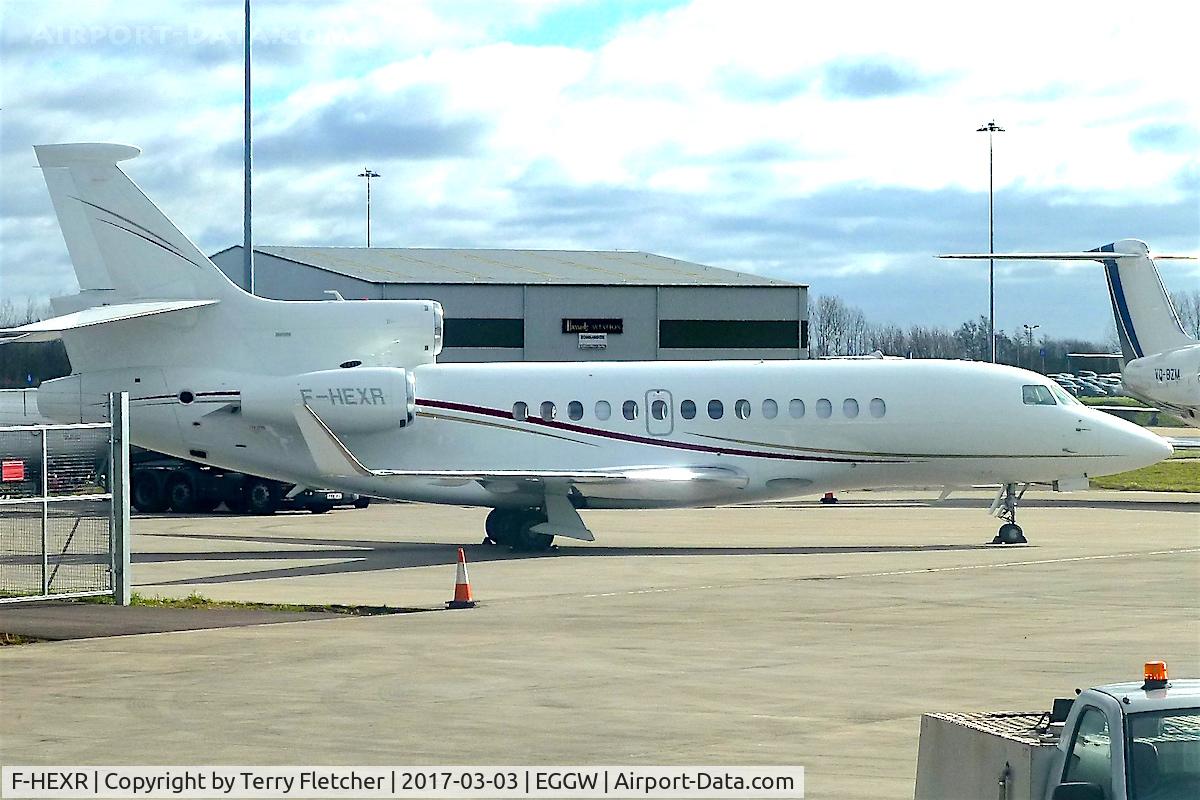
column 628, row 437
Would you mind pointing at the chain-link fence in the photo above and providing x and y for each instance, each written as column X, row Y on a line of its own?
column 64, row 509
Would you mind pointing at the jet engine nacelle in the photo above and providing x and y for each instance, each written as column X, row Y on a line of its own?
column 356, row 400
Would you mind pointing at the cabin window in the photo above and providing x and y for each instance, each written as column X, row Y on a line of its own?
column 520, row 410
column 603, row 410
column 741, row 409
column 658, row 409
column 878, row 407
column 1037, row 396
column 770, row 409
column 824, row 408
column 575, row 410
column 850, row 408
column 796, row 408
column 629, row 410
column 716, row 409
column 548, row 411
column 687, row 409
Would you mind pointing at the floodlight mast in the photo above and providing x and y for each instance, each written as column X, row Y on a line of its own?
column 991, row 128
column 368, row 174
column 1029, row 329
column 247, row 239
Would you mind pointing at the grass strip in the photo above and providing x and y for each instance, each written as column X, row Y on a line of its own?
column 13, row 639
column 1153, row 419
column 196, row 600
column 1173, row 475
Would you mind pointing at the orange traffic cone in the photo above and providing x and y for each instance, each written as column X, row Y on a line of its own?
column 462, row 585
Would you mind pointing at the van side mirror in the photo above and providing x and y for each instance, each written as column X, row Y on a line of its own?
column 1078, row 790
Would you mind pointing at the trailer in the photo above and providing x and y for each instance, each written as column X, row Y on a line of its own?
column 1122, row 741
column 160, row 482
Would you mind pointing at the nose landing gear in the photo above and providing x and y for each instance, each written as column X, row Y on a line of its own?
column 1005, row 507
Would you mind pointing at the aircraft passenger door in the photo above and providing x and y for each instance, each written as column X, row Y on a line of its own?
column 660, row 419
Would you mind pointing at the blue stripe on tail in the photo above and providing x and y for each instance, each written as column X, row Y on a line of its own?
column 1117, row 292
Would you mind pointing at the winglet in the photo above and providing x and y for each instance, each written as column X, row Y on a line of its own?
column 331, row 456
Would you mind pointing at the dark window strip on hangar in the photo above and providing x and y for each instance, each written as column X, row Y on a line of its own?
column 732, row 333
column 484, row 333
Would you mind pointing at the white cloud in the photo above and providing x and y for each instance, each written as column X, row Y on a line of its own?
column 704, row 127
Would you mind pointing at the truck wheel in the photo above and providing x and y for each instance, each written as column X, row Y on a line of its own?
column 262, row 496
column 182, row 494
column 362, row 502
column 147, row 495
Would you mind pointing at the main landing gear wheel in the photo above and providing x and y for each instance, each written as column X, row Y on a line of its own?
column 498, row 526
column 1010, row 532
column 511, row 527
column 528, row 540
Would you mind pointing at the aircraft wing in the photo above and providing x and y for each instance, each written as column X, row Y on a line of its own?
column 1111, row 409
column 49, row 329
column 334, row 459
column 1184, row 442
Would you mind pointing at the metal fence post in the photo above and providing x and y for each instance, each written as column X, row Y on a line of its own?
column 45, row 476
column 119, row 417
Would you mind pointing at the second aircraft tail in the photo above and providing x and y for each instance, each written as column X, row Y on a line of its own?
column 1147, row 322
column 1146, row 319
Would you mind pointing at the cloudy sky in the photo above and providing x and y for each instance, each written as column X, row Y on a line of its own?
column 827, row 143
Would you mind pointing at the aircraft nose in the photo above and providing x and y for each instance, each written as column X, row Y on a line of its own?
column 1143, row 448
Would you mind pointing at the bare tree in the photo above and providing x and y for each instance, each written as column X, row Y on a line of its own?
column 1187, row 305
column 11, row 315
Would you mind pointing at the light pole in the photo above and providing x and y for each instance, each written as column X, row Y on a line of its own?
column 991, row 128
column 368, row 174
column 247, row 237
column 1029, row 329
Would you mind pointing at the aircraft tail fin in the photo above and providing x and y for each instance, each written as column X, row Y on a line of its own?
column 123, row 248
column 1146, row 319
column 1147, row 322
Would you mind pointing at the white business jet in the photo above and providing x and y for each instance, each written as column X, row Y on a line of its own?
column 349, row 395
column 1162, row 363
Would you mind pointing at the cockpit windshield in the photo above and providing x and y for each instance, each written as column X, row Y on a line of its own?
column 1037, row 395
column 1063, row 395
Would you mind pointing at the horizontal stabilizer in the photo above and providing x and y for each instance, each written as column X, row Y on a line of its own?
column 1089, row 255
column 48, row 329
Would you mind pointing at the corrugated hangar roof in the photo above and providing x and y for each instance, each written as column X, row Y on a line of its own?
column 454, row 265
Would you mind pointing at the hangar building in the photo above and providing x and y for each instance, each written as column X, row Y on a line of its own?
column 553, row 305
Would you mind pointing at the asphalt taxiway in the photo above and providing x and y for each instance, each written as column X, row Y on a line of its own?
column 790, row 634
